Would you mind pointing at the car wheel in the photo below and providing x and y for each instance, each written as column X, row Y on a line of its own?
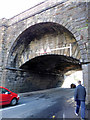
column 14, row 101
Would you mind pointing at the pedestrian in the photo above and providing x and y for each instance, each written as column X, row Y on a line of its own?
column 79, row 97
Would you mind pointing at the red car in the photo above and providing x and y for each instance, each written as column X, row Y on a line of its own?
column 8, row 97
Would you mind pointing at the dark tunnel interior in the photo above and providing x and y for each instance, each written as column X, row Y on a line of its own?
column 56, row 64
column 48, row 71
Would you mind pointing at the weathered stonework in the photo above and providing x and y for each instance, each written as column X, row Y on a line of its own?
column 21, row 35
column 27, row 81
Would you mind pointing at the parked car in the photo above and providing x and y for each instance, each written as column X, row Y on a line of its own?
column 8, row 97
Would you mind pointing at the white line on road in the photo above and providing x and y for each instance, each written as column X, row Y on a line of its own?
column 12, row 107
column 63, row 116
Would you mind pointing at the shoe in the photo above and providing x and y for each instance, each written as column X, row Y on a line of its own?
column 76, row 114
column 82, row 119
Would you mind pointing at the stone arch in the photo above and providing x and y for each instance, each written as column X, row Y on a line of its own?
column 61, row 16
column 66, row 25
column 13, row 56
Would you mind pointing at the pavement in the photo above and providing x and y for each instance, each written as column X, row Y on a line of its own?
column 68, row 108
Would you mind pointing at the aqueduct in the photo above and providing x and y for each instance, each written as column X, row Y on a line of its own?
column 40, row 45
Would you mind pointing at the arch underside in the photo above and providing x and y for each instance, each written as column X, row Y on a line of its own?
column 52, row 64
column 42, row 36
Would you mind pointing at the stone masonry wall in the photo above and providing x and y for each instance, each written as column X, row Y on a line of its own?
column 71, row 15
column 2, row 46
column 86, row 66
column 52, row 41
column 20, row 82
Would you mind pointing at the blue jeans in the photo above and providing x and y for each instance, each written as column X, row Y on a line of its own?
column 82, row 104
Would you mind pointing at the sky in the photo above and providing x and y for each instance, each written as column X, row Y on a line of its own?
column 10, row 8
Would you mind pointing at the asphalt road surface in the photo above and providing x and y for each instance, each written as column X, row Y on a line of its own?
column 53, row 103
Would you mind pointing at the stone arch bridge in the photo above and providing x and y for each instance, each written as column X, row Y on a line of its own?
column 40, row 45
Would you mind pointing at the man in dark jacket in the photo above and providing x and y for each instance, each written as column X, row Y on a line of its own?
column 79, row 97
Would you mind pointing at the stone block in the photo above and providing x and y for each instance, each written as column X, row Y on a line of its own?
column 88, row 99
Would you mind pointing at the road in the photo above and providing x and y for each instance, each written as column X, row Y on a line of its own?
column 56, row 103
